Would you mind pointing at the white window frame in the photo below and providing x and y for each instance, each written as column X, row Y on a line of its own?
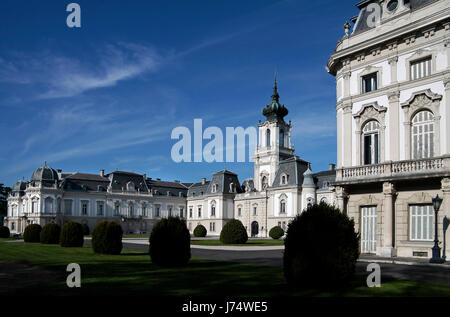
column 421, row 223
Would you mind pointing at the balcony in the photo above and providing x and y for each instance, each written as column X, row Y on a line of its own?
column 395, row 170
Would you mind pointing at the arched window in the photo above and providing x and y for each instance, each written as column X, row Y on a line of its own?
column 264, row 182
column 130, row 210
column 282, row 206
column 371, row 142
column 213, row 208
column 281, row 138
column 422, row 135
column 268, row 137
column 48, row 205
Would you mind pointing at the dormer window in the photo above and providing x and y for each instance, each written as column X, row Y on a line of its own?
column 284, row 179
column 232, row 188
column 392, row 5
column 281, row 138
column 214, row 188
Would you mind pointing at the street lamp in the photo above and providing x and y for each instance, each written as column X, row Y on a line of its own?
column 436, row 254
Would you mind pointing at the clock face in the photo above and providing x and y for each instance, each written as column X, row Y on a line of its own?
column 392, row 5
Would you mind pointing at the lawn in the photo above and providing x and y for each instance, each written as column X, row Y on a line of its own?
column 251, row 242
column 133, row 273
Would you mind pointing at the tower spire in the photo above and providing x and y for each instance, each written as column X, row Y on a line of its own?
column 275, row 96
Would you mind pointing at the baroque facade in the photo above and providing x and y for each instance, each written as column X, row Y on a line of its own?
column 283, row 184
column 393, row 124
column 133, row 200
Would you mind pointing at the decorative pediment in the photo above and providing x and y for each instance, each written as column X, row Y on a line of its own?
column 371, row 111
column 422, row 97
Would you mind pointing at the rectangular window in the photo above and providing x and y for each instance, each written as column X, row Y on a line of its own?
column 255, row 211
column 213, row 211
column 239, row 212
column 116, row 210
column 170, row 212
column 144, row 211
column 100, row 209
column 84, row 209
column 199, row 212
column 190, row 212
column 181, row 212
column 421, row 223
column 369, row 83
column 421, row 68
column 157, row 212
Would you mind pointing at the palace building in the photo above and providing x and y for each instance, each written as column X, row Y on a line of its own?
column 393, row 123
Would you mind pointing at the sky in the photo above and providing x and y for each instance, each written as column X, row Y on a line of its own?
column 108, row 94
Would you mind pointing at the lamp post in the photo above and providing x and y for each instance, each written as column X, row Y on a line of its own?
column 436, row 250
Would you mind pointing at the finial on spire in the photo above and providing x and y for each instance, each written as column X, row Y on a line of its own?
column 45, row 163
column 275, row 95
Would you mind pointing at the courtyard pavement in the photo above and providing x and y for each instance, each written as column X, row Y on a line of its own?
column 391, row 268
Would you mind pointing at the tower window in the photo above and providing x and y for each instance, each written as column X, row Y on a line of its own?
column 268, row 137
column 282, row 138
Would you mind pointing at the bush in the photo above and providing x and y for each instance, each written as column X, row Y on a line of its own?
column 71, row 235
column 50, row 234
column 4, row 232
column 107, row 237
column 170, row 243
column 321, row 248
column 86, row 230
column 32, row 233
column 233, row 233
column 200, row 231
column 276, row 232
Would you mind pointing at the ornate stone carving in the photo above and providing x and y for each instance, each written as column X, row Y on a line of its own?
column 394, row 96
column 424, row 99
column 369, row 112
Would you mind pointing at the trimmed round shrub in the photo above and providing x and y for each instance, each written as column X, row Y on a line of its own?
column 4, row 232
column 200, row 231
column 50, row 234
column 32, row 233
column 71, row 235
column 170, row 243
column 107, row 237
column 86, row 230
column 276, row 232
column 233, row 233
column 321, row 249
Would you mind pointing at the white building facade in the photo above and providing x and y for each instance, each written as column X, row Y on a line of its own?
column 393, row 124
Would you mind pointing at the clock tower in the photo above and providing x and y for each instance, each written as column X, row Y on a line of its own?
column 274, row 142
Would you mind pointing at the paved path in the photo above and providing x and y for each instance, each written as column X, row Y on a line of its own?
column 425, row 272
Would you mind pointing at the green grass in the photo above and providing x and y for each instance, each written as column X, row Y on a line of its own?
column 256, row 242
column 133, row 273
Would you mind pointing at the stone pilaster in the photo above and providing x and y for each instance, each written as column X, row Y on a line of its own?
column 393, row 63
column 407, row 129
column 346, row 78
column 387, row 248
column 340, row 197
column 394, row 133
column 445, row 211
column 347, row 131
column 447, row 114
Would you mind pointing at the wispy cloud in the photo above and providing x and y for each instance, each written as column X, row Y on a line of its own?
column 65, row 76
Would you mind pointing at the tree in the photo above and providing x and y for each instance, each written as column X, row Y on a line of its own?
column 4, row 192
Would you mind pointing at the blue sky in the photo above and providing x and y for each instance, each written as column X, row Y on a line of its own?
column 107, row 95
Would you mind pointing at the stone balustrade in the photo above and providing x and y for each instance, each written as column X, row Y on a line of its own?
column 393, row 169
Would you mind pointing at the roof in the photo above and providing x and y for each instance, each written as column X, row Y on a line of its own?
column 44, row 173
column 222, row 179
column 85, row 176
column 324, row 178
column 293, row 167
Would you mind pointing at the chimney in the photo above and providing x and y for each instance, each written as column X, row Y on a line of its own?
column 332, row 167
column 203, row 181
column 59, row 171
column 102, row 173
column 145, row 176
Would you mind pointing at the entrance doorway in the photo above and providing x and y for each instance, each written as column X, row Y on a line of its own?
column 255, row 228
